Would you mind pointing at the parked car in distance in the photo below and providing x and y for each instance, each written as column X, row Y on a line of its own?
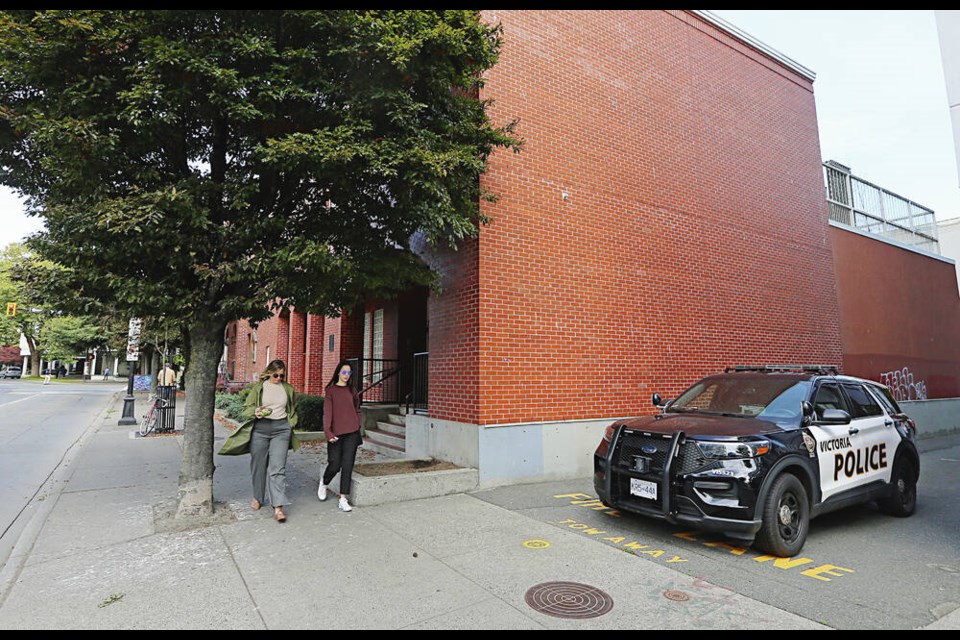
column 11, row 372
column 755, row 453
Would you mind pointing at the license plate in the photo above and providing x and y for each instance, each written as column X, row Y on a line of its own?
column 643, row 488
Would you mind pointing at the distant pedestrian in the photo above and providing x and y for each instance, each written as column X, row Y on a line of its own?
column 168, row 377
column 106, row 373
column 341, row 425
column 63, row 371
column 270, row 414
column 46, row 376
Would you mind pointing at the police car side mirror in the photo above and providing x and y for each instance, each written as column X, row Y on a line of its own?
column 660, row 402
column 834, row 416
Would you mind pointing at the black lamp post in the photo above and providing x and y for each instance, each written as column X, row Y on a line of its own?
column 133, row 356
column 129, row 400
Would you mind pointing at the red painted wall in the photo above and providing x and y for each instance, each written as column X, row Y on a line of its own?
column 665, row 219
column 899, row 310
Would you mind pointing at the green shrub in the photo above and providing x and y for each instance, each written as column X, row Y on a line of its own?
column 309, row 409
column 309, row 413
column 230, row 404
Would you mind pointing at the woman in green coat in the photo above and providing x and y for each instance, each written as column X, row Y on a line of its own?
column 270, row 414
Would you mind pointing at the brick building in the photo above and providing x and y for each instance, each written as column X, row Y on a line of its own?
column 665, row 219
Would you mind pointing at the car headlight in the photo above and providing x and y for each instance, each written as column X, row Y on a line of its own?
column 727, row 450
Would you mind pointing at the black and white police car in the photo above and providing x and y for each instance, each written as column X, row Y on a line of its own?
column 755, row 452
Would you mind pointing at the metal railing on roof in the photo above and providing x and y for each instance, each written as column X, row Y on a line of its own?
column 865, row 206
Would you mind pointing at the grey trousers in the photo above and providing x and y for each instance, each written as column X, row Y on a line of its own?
column 269, row 443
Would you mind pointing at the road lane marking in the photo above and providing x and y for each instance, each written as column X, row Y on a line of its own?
column 20, row 400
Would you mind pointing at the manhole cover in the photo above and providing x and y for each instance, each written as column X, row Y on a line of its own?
column 677, row 596
column 568, row 600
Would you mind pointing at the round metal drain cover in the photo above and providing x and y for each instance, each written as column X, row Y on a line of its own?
column 568, row 600
column 676, row 596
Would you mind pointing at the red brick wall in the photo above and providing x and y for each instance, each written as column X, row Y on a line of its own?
column 296, row 363
column 891, row 322
column 282, row 351
column 313, row 375
column 692, row 231
column 454, row 339
column 239, row 355
column 347, row 332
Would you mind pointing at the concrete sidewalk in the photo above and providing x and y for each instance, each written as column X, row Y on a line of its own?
column 103, row 552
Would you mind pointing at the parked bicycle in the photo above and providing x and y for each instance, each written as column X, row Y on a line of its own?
column 150, row 422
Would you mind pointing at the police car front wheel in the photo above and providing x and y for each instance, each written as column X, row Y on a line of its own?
column 786, row 518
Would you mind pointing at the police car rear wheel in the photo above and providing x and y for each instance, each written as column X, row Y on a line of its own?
column 902, row 501
column 786, row 518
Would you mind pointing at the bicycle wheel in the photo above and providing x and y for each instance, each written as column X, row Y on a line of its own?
column 149, row 421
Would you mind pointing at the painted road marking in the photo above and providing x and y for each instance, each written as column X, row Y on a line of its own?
column 536, row 544
column 812, row 570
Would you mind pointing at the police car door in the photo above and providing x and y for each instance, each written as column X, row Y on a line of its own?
column 878, row 439
column 833, row 441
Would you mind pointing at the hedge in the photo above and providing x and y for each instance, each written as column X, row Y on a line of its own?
column 309, row 409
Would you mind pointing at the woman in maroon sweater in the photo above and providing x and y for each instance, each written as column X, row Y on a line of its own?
column 341, row 425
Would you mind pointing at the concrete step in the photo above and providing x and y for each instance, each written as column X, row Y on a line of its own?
column 384, row 449
column 397, row 418
column 383, row 437
column 393, row 428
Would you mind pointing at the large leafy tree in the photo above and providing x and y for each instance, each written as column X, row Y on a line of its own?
column 216, row 164
column 56, row 321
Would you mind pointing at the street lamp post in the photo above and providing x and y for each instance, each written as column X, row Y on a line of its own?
column 133, row 355
column 128, row 401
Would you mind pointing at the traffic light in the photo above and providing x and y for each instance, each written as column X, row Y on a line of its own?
column 11, row 308
column 89, row 356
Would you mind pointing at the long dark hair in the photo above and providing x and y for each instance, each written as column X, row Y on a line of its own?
column 336, row 375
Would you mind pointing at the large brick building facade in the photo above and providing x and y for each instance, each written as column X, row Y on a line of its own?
column 665, row 219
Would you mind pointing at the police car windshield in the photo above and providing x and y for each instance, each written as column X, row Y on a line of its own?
column 765, row 397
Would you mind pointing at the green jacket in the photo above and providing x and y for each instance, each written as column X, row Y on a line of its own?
column 238, row 442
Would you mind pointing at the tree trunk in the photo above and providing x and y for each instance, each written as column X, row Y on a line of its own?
column 195, row 496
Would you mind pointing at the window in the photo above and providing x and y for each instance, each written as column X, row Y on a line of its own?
column 828, row 397
column 864, row 404
column 885, row 398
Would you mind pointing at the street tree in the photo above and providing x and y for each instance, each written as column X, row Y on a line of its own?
column 214, row 165
column 70, row 322
column 31, row 313
column 68, row 336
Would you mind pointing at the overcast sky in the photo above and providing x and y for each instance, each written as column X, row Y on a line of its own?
column 880, row 93
column 881, row 97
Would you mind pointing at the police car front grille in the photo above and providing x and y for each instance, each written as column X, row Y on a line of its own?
column 632, row 444
column 688, row 459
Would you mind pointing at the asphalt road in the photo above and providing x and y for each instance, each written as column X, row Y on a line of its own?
column 859, row 569
column 39, row 425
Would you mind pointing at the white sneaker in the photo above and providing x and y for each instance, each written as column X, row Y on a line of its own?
column 344, row 505
column 322, row 492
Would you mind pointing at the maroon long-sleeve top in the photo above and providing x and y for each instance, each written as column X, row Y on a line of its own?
column 341, row 411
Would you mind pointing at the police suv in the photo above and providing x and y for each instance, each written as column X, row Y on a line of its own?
column 755, row 452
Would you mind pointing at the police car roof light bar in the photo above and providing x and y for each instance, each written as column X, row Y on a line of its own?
column 823, row 369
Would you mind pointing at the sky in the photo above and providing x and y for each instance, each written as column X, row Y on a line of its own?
column 880, row 93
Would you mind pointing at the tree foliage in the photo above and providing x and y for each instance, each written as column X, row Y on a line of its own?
column 211, row 165
column 50, row 315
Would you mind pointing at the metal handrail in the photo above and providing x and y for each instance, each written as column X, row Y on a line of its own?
column 418, row 395
column 383, row 377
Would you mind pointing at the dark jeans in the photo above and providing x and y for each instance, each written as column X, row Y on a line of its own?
column 340, row 458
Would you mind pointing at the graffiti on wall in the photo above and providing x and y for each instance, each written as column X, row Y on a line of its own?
column 903, row 386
